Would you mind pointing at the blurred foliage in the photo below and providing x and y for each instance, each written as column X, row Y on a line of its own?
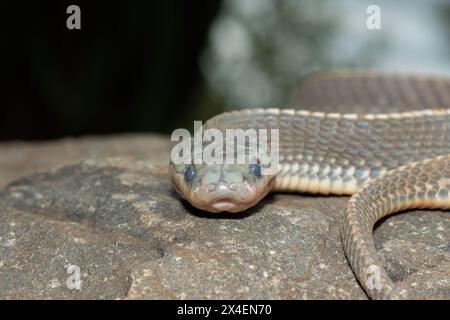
column 259, row 49
column 443, row 13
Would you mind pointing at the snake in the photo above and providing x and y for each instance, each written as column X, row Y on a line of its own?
column 387, row 162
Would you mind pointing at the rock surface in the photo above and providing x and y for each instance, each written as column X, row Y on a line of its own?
column 121, row 223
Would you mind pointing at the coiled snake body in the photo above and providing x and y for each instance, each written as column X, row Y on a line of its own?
column 388, row 161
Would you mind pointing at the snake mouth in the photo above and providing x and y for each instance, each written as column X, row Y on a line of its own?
column 223, row 204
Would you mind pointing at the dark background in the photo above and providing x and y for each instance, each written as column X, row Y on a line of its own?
column 153, row 66
column 131, row 67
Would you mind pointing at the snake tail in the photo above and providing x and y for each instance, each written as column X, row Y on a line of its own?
column 423, row 184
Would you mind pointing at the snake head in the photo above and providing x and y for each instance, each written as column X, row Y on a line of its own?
column 221, row 187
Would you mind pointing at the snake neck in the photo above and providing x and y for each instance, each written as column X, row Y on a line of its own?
column 333, row 153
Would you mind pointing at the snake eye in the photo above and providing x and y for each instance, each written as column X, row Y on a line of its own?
column 255, row 169
column 189, row 173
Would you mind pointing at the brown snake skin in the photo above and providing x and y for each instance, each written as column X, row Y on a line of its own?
column 390, row 161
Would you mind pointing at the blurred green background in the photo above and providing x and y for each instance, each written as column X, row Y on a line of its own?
column 148, row 66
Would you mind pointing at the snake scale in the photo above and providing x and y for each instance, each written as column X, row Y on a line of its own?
column 388, row 161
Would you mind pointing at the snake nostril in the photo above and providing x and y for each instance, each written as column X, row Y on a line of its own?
column 234, row 186
column 211, row 187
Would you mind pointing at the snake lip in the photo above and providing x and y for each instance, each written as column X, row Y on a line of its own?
column 223, row 204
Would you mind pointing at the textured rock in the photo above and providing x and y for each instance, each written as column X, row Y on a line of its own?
column 18, row 159
column 119, row 220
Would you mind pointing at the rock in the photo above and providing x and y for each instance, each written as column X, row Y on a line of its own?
column 119, row 220
column 19, row 159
